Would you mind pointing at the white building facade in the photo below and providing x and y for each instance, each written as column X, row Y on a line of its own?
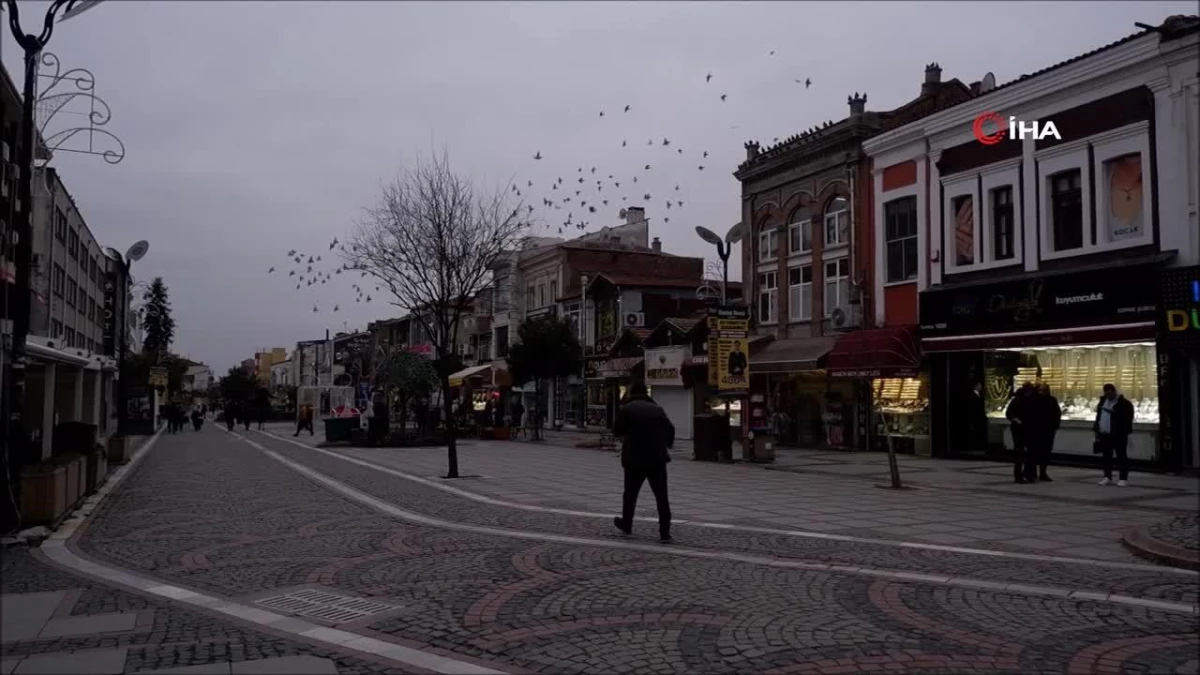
column 1038, row 258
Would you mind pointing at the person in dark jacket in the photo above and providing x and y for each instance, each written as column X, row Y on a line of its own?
column 1019, row 414
column 304, row 420
column 231, row 414
column 1114, row 423
column 646, row 435
column 1047, row 414
column 197, row 418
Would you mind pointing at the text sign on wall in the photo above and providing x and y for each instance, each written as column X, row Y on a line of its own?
column 109, row 333
column 664, row 366
column 1179, row 307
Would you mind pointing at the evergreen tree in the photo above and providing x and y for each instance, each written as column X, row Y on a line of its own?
column 157, row 323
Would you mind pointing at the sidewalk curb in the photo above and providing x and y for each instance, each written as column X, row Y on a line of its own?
column 1144, row 546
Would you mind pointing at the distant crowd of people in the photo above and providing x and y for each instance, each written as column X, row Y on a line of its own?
column 177, row 416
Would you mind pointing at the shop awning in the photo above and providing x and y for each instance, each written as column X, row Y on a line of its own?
column 619, row 367
column 57, row 356
column 465, row 374
column 789, row 355
column 881, row 352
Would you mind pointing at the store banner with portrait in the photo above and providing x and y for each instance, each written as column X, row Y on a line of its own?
column 1124, row 208
column 729, row 349
column 664, row 366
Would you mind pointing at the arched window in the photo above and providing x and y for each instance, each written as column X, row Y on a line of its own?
column 837, row 222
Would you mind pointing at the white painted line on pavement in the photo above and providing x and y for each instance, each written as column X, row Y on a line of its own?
column 55, row 548
column 483, row 499
column 671, row 549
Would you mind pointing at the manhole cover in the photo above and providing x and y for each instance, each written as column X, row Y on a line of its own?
column 329, row 607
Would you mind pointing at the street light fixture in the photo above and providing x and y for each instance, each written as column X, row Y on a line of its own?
column 724, row 249
column 135, row 253
column 15, row 396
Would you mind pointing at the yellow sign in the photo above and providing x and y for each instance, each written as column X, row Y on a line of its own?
column 158, row 377
column 733, row 364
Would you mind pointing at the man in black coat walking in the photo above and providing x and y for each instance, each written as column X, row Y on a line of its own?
column 1020, row 414
column 646, row 435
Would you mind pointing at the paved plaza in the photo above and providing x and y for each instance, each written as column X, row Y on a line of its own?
column 255, row 552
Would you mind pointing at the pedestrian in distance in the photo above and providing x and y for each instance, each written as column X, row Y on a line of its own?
column 231, row 414
column 1047, row 414
column 304, row 420
column 1019, row 414
column 248, row 412
column 646, row 435
column 197, row 418
column 1114, row 423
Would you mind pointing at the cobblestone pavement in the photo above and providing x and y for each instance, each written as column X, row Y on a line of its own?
column 1071, row 517
column 1181, row 531
column 174, row 638
column 212, row 513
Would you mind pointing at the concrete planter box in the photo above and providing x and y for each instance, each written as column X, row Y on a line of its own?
column 97, row 470
column 118, row 450
column 43, row 495
column 74, row 481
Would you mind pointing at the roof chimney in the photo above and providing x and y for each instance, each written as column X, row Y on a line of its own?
column 752, row 150
column 635, row 214
column 933, row 77
column 656, row 245
column 858, row 104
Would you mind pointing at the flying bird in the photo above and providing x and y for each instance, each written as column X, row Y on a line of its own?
column 772, row 53
column 706, row 153
column 291, row 253
column 293, row 273
column 666, row 142
column 647, row 167
column 593, row 169
column 538, row 155
column 626, row 108
column 270, row 270
column 646, row 196
column 333, row 243
column 701, row 168
column 602, row 113
column 335, row 308
column 807, row 83
column 680, row 151
column 708, row 78
column 314, row 309
column 624, row 143
column 723, row 96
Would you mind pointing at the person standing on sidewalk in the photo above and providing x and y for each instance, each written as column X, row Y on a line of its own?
column 646, row 435
column 1019, row 413
column 304, row 420
column 1048, row 416
column 1114, row 422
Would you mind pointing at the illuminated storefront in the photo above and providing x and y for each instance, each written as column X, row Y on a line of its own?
column 1072, row 331
column 1178, row 366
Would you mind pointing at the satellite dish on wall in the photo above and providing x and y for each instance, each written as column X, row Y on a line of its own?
column 137, row 251
column 988, row 83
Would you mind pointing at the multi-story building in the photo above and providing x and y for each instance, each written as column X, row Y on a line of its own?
column 198, row 379
column 281, row 375
column 1035, row 254
column 807, row 261
column 263, row 361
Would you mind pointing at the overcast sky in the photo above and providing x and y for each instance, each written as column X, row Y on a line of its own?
column 254, row 128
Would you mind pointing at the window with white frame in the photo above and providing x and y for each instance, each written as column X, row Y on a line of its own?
column 553, row 290
column 800, row 293
column 768, row 297
column 1066, row 210
column 800, row 237
column 837, row 222
column 530, row 298
column 837, row 284
column 768, row 245
column 541, row 295
column 900, row 238
column 1003, row 222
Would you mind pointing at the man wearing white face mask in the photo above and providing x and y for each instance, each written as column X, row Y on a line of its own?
column 1114, row 422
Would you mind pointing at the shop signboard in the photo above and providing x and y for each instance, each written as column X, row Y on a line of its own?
column 1179, row 307
column 109, row 333
column 1065, row 300
column 664, row 366
column 729, row 349
column 158, row 377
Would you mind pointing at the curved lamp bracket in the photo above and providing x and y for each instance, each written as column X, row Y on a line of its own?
column 71, row 117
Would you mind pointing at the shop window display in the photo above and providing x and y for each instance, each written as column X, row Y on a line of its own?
column 902, row 406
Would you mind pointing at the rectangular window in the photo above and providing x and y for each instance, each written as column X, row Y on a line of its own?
column 72, row 292
column 837, row 222
column 69, row 337
column 837, row 284
column 1002, row 223
column 541, row 295
column 56, row 329
column 964, row 229
column 1124, row 212
column 73, row 244
column 93, row 271
column 900, row 232
column 800, row 293
column 530, row 297
column 502, row 342
column 91, row 345
column 60, row 225
column 800, row 237
column 768, row 245
column 1066, row 210
column 91, row 309
column 768, row 297
column 553, row 291
column 59, row 280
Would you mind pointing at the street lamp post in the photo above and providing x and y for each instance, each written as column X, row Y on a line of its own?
column 23, row 227
column 724, row 249
column 121, row 321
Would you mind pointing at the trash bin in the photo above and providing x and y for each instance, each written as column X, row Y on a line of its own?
column 340, row 429
column 705, row 442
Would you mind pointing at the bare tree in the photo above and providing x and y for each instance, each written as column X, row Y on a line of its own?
column 432, row 240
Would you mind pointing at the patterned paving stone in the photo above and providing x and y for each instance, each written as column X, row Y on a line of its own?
column 235, row 522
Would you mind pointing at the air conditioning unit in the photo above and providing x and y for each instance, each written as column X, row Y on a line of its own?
column 5, row 152
column 635, row 320
column 843, row 319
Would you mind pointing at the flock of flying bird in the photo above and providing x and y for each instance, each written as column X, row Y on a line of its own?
column 590, row 191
